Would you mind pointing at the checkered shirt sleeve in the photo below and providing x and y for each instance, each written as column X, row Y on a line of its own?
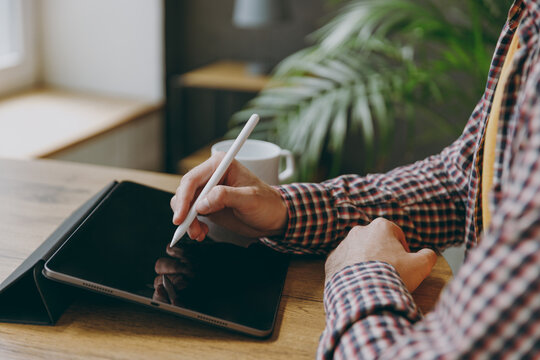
column 491, row 309
column 423, row 199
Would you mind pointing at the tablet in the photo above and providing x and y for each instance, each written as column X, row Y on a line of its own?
column 121, row 249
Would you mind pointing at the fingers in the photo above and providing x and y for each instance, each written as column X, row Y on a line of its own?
column 419, row 266
column 385, row 226
column 190, row 185
column 198, row 230
column 179, row 281
column 221, row 197
column 158, row 281
column 425, row 260
column 160, row 294
column 167, row 265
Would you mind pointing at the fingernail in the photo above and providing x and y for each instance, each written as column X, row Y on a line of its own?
column 203, row 206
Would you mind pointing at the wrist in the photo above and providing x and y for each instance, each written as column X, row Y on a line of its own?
column 281, row 215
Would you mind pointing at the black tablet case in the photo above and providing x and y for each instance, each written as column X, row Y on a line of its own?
column 26, row 296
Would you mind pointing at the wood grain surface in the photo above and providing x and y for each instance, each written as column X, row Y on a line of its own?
column 36, row 196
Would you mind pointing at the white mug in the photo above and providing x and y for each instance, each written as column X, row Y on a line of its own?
column 262, row 158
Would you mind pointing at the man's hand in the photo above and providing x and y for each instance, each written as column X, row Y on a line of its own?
column 241, row 202
column 382, row 240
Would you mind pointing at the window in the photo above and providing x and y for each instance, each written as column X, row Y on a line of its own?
column 18, row 62
column 10, row 33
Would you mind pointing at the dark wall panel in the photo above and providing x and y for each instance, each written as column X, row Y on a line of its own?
column 201, row 31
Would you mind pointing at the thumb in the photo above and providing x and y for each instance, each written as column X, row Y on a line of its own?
column 221, row 197
column 421, row 263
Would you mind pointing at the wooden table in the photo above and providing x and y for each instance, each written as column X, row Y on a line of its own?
column 36, row 196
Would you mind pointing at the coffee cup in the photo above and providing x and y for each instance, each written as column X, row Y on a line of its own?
column 262, row 158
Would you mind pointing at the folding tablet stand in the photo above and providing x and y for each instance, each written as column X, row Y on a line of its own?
column 26, row 296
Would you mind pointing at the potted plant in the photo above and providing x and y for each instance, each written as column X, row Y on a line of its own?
column 375, row 64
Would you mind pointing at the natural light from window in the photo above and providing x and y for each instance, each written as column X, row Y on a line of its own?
column 10, row 33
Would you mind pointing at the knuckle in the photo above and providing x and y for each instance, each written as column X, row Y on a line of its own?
column 186, row 179
column 382, row 224
column 385, row 225
column 380, row 221
column 220, row 192
column 252, row 191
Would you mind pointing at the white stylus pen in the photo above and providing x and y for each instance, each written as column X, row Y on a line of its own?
column 216, row 176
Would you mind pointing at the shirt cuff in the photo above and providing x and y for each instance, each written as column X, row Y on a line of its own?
column 311, row 220
column 365, row 289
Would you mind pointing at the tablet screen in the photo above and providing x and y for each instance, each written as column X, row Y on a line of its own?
column 124, row 245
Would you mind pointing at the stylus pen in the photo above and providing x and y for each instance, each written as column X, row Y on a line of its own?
column 216, row 176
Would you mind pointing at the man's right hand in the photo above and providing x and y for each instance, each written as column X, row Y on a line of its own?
column 241, row 202
column 382, row 240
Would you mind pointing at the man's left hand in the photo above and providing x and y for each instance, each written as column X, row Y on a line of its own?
column 382, row 240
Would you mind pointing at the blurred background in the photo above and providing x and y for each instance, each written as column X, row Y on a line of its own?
column 348, row 86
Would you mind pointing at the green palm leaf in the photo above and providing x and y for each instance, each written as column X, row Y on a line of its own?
column 374, row 60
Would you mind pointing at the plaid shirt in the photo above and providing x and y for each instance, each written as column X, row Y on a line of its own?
column 491, row 309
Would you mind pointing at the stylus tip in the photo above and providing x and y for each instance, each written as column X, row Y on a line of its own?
column 180, row 231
